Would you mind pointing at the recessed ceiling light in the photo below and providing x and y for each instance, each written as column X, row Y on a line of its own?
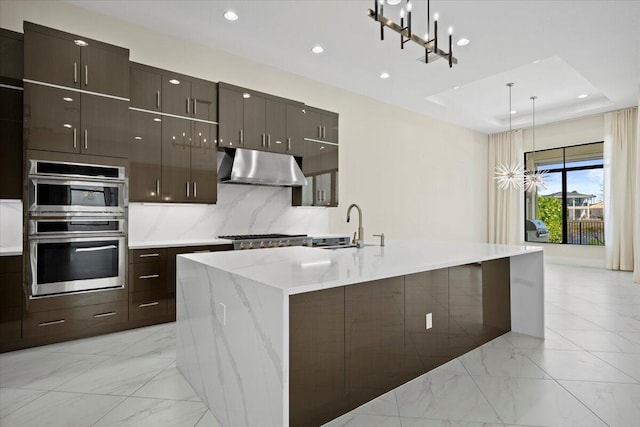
column 174, row 81
column 317, row 49
column 513, row 111
column 456, row 87
column 80, row 42
column 536, row 61
column 463, row 42
column 584, row 95
column 385, row 75
column 230, row 15
column 393, row 2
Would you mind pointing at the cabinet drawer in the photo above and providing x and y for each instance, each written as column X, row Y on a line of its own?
column 10, row 290
column 73, row 321
column 147, row 255
column 147, row 304
column 11, row 264
column 10, row 325
column 147, row 276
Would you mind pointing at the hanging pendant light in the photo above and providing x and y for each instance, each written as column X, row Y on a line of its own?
column 509, row 176
column 534, row 179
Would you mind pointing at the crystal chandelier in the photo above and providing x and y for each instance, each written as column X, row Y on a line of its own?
column 534, row 179
column 407, row 34
column 509, row 176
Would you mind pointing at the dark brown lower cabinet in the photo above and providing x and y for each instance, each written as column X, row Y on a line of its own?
column 351, row 344
column 10, row 301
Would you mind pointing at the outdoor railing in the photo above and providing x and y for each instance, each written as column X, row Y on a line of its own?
column 585, row 232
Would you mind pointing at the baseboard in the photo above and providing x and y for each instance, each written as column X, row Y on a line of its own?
column 576, row 262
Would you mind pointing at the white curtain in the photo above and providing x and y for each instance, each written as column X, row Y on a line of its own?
column 622, row 185
column 636, row 224
column 506, row 220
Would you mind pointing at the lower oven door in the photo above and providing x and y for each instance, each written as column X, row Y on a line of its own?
column 64, row 265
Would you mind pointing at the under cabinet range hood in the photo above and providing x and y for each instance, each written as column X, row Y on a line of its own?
column 241, row 166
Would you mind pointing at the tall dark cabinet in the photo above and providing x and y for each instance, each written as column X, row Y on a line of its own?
column 11, row 72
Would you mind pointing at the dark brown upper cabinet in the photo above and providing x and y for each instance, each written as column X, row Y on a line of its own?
column 230, row 117
column 296, row 121
column 321, row 125
column 146, row 87
column 56, row 57
column 71, row 122
column 12, row 54
column 145, row 156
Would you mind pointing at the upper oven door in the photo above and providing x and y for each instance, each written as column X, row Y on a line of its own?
column 62, row 265
column 53, row 196
column 76, row 226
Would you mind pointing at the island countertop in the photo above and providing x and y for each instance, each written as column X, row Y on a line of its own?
column 297, row 270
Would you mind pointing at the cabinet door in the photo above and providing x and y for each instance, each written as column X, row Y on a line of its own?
column 51, row 119
column 105, row 126
column 313, row 124
column 330, row 127
column 176, row 159
column 176, row 95
column 104, row 71
column 296, row 121
column 145, row 155
column 323, row 193
column 204, row 175
column 230, row 117
column 204, row 99
column 255, row 136
column 11, row 143
column 276, row 126
column 12, row 48
column 51, row 59
column 374, row 325
column 145, row 89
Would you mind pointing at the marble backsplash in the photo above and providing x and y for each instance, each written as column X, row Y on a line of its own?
column 241, row 209
column 10, row 226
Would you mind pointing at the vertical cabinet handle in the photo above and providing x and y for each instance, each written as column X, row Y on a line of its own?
column 86, row 139
column 269, row 141
column 75, row 138
column 86, row 75
column 157, row 99
column 263, row 143
column 241, row 136
column 187, row 189
column 288, row 144
column 319, row 131
column 324, row 132
column 75, row 72
column 188, row 102
column 194, row 106
column 157, row 188
column 195, row 190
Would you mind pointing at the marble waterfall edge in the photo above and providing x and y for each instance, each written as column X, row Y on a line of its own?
column 231, row 344
column 241, row 209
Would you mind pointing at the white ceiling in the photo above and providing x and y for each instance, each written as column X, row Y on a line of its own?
column 555, row 50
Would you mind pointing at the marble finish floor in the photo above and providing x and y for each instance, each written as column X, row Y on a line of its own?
column 585, row 373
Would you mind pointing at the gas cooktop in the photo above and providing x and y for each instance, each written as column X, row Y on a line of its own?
column 258, row 241
column 260, row 236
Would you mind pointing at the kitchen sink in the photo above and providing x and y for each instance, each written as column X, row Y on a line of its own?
column 346, row 246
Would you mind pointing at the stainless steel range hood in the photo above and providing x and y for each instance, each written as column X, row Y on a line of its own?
column 241, row 166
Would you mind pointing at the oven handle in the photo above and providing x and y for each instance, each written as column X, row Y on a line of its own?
column 98, row 248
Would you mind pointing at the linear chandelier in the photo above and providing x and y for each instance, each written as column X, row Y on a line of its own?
column 407, row 34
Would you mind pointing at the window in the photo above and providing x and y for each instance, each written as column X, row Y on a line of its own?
column 571, row 208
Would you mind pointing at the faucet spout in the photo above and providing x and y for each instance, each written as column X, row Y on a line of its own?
column 360, row 240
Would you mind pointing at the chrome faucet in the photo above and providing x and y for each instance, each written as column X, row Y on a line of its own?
column 360, row 240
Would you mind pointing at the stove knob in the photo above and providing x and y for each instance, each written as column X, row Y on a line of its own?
column 281, row 244
column 271, row 243
column 250, row 245
column 261, row 245
column 288, row 243
column 241, row 245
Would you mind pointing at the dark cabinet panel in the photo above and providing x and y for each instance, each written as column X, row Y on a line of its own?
column 51, row 59
column 176, row 94
column 255, row 137
column 148, row 305
column 145, row 151
column 11, row 144
column 317, row 391
column 204, row 175
column 230, row 117
column 330, row 127
column 205, row 100
column 296, row 120
column 10, row 300
column 496, row 297
column 147, row 276
column 12, row 54
column 313, row 124
column 374, row 338
column 465, row 308
column 51, row 119
column 105, row 70
column 11, row 105
column 321, row 125
column 276, row 126
column 105, row 126
column 176, row 159
column 147, row 255
column 146, row 86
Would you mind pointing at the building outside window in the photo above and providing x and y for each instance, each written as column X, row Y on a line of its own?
column 571, row 207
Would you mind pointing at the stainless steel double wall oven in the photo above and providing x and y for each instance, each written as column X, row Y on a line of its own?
column 76, row 227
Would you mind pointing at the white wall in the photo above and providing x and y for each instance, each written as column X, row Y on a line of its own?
column 561, row 134
column 414, row 176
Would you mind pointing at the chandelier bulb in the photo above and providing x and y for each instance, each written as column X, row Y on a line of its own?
column 435, row 17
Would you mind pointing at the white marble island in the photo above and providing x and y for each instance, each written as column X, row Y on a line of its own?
column 236, row 341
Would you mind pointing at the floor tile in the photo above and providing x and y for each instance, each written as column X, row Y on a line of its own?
column 43, row 371
column 208, row 420
column 58, row 409
column 601, row 341
column 535, row 402
column 551, row 341
column 141, row 412
column 615, row 322
column 570, row 322
column 116, row 375
column 617, row 404
column 364, row 420
column 383, row 405
column 626, row 362
column 500, row 362
column 168, row 384
column 454, row 397
column 576, row 365
column 12, row 399
column 418, row 422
